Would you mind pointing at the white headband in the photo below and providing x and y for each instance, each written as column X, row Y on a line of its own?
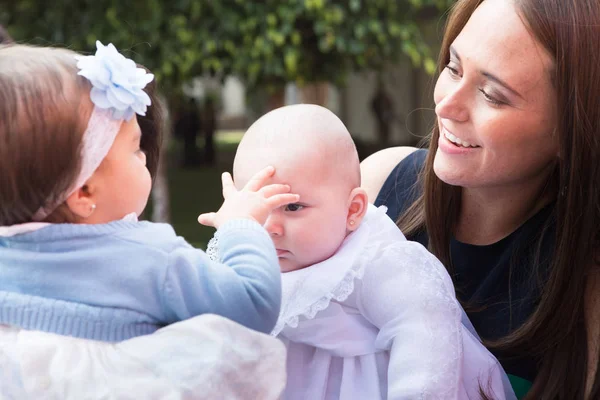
column 117, row 94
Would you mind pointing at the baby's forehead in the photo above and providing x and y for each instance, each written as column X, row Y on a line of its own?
column 291, row 164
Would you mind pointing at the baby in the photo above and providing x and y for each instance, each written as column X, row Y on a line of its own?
column 74, row 260
column 365, row 313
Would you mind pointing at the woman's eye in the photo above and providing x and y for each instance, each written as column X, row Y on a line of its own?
column 452, row 71
column 294, row 207
column 490, row 98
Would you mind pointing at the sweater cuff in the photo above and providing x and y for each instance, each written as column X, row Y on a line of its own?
column 235, row 232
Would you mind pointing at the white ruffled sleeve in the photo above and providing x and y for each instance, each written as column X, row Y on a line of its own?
column 407, row 293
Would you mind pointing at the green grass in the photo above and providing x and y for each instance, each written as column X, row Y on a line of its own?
column 194, row 191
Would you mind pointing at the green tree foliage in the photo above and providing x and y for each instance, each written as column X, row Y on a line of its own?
column 273, row 41
column 165, row 36
column 266, row 42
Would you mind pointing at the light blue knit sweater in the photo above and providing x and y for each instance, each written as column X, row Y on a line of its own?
column 114, row 281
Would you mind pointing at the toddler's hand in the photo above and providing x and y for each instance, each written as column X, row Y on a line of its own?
column 255, row 201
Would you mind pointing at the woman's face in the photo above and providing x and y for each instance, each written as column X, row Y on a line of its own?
column 495, row 104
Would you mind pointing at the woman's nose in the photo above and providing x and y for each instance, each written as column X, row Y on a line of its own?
column 452, row 102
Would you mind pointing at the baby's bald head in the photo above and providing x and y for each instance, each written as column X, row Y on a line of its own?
column 303, row 134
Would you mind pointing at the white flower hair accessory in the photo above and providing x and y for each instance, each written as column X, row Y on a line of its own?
column 117, row 93
column 118, row 82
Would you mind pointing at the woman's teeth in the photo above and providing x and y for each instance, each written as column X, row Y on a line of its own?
column 457, row 141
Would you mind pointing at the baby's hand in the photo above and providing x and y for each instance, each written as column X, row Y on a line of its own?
column 255, row 201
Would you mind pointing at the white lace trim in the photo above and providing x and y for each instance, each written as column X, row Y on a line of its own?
column 212, row 249
column 340, row 293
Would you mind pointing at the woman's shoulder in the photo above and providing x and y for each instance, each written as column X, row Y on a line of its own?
column 376, row 168
column 400, row 186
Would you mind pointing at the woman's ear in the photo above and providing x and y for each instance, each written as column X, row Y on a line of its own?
column 82, row 202
column 357, row 208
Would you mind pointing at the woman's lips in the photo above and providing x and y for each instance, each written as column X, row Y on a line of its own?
column 451, row 148
column 456, row 140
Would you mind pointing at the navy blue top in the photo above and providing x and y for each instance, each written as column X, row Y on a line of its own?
column 503, row 299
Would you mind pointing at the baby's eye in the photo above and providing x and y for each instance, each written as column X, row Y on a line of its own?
column 294, row 207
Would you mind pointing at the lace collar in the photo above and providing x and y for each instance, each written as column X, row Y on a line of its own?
column 307, row 291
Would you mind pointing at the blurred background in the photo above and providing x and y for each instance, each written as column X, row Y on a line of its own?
column 220, row 64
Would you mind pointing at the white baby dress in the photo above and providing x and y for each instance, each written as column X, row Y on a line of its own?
column 379, row 320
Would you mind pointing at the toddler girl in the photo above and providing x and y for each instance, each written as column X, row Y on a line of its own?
column 74, row 260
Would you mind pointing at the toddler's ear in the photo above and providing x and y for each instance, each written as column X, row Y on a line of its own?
column 357, row 208
column 82, row 202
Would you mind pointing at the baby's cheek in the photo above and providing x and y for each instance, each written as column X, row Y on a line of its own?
column 323, row 246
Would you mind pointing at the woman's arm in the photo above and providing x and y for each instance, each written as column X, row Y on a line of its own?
column 377, row 167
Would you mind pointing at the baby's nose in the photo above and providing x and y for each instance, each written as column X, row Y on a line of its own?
column 273, row 225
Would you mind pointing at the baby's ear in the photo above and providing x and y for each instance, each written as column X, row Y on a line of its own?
column 357, row 208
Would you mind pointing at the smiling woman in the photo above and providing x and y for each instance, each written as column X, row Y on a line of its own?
column 501, row 196
column 496, row 110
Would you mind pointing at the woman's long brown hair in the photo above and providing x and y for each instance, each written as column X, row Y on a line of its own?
column 556, row 332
